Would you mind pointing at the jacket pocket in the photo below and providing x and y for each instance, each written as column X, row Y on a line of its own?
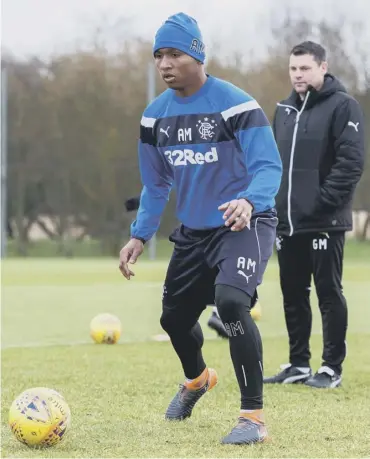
column 304, row 194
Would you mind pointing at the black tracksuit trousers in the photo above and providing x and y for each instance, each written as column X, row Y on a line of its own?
column 319, row 255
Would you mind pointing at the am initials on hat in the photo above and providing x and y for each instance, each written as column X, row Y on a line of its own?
column 197, row 46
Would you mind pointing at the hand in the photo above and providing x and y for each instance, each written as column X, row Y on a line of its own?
column 238, row 212
column 129, row 254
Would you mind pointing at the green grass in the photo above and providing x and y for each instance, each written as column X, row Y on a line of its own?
column 89, row 248
column 118, row 394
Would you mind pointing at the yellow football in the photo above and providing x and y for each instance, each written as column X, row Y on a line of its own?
column 105, row 328
column 39, row 417
column 256, row 312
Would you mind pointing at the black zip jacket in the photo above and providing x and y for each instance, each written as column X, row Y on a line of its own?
column 321, row 143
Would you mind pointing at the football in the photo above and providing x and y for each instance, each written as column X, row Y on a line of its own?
column 39, row 417
column 105, row 328
column 256, row 311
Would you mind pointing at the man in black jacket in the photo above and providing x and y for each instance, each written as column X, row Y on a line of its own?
column 319, row 132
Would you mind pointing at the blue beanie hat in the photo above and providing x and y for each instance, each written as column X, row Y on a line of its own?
column 181, row 32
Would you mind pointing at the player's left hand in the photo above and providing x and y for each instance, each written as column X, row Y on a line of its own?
column 238, row 213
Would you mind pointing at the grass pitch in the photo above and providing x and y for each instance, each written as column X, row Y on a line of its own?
column 118, row 394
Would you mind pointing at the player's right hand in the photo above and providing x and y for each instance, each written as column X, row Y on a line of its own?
column 129, row 254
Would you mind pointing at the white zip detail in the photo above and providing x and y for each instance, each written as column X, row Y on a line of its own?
column 299, row 112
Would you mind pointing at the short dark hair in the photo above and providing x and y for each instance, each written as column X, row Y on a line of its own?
column 309, row 47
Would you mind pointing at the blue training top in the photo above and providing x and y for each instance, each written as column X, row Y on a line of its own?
column 214, row 146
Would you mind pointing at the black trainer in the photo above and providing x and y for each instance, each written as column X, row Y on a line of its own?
column 289, row 375
column 325, row 378
column 183, row 403
column 216, row 324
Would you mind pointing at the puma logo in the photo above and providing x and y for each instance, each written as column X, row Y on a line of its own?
column 351, row 123
column 165, row 131
column 244, row 275
column 288, row 110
